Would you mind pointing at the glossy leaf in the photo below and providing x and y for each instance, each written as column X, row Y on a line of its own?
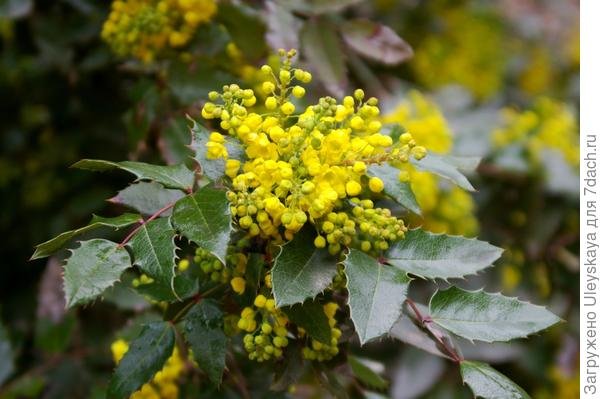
column 214, row 169
column 49, row 247
column 448, row 167
column 301, row 270
column 487, row 383
column 323, row 50
column 399, row 191
column 153, row 248
column 147, row 355
column 172, row 176
column 375, row 41
column 93, row 267
column 311, row 317
column 429, row 255
column 487, row 317
column 204, row 333
column 204, row 218
column 367, row 371
column 147, row 197
column 376, row 293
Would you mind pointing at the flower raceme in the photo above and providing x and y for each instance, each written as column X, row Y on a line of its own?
column 146, row 28
column 306, row 165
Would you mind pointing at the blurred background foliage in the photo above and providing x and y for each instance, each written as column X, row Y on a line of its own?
column 498, row 80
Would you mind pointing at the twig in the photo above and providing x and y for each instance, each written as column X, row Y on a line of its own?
column 426, row 322
column 143, row 222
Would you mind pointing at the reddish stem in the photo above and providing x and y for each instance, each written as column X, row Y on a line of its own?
column 143, row 222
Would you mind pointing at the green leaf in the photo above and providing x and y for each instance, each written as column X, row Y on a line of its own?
column 153, row 248
column 485, row 382
column 301, row 270
column 171, row 176
column 93, row 267
column 147, row 197
column 376, row 293
column 7, row 365
column 204, row 333
column 214, row 169
column 487, row 317
column 184, row 287
column 448, row 167
column 192, row 82
column 146, row 355
column 316, row 7
column 246, row 28
column 364, row 370
column 49, row 247
column 173, row 141
column 311, row 317
column 323, row 50
column 430, row 255
column 283, row 27
column 399, row 191
column 375, row 41
column 204, row 218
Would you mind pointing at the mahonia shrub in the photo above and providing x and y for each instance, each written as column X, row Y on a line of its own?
column 287, row 245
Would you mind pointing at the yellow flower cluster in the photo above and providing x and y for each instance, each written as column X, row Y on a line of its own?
column 145, row 28
column 549, row 124
column 266, row 340
column 164, row 382
column 445, row 210
column 457, row 56
column 318, row 350
column 232, row 273
column 303, row 166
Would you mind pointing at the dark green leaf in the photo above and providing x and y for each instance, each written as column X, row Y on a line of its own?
column 429, row 255
column 291, row 370
column 93, row 267
column 375, row 41
column 146, row 355
column 185, row 286
column 399, row 191
column 364, row 371
column 485, row 382
column 190, row 83
column 214, row 169
column 173, row 141
column 153, row 248
column 171, row 176
column 147, row 197
column 448, row 167
column 376, row 293
column 301, row 270
column 323, row 50
column 204, row 333
column 487, row 317
column 7, row 365
column 311, row 317
column 49, row 247
column 204, row 218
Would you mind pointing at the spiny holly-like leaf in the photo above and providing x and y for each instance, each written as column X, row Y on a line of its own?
column 153, row 248
column 487, row 383
column 311, row 317
column 204, row 333
column 301, row 270
column 147, row 197
column 448, row 167
column 146, row 355
column 487, row 317
column 93, row 267
column 375, row 41
column 214, row 169
column 204, row 218
column 399, row 191
column 367, row 371
column 49, row 247
column 429, row 255
column 172, row 176
column 323, row 50
column 376, row 293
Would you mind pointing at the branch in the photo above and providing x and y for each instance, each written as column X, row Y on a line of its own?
column 143, row 222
